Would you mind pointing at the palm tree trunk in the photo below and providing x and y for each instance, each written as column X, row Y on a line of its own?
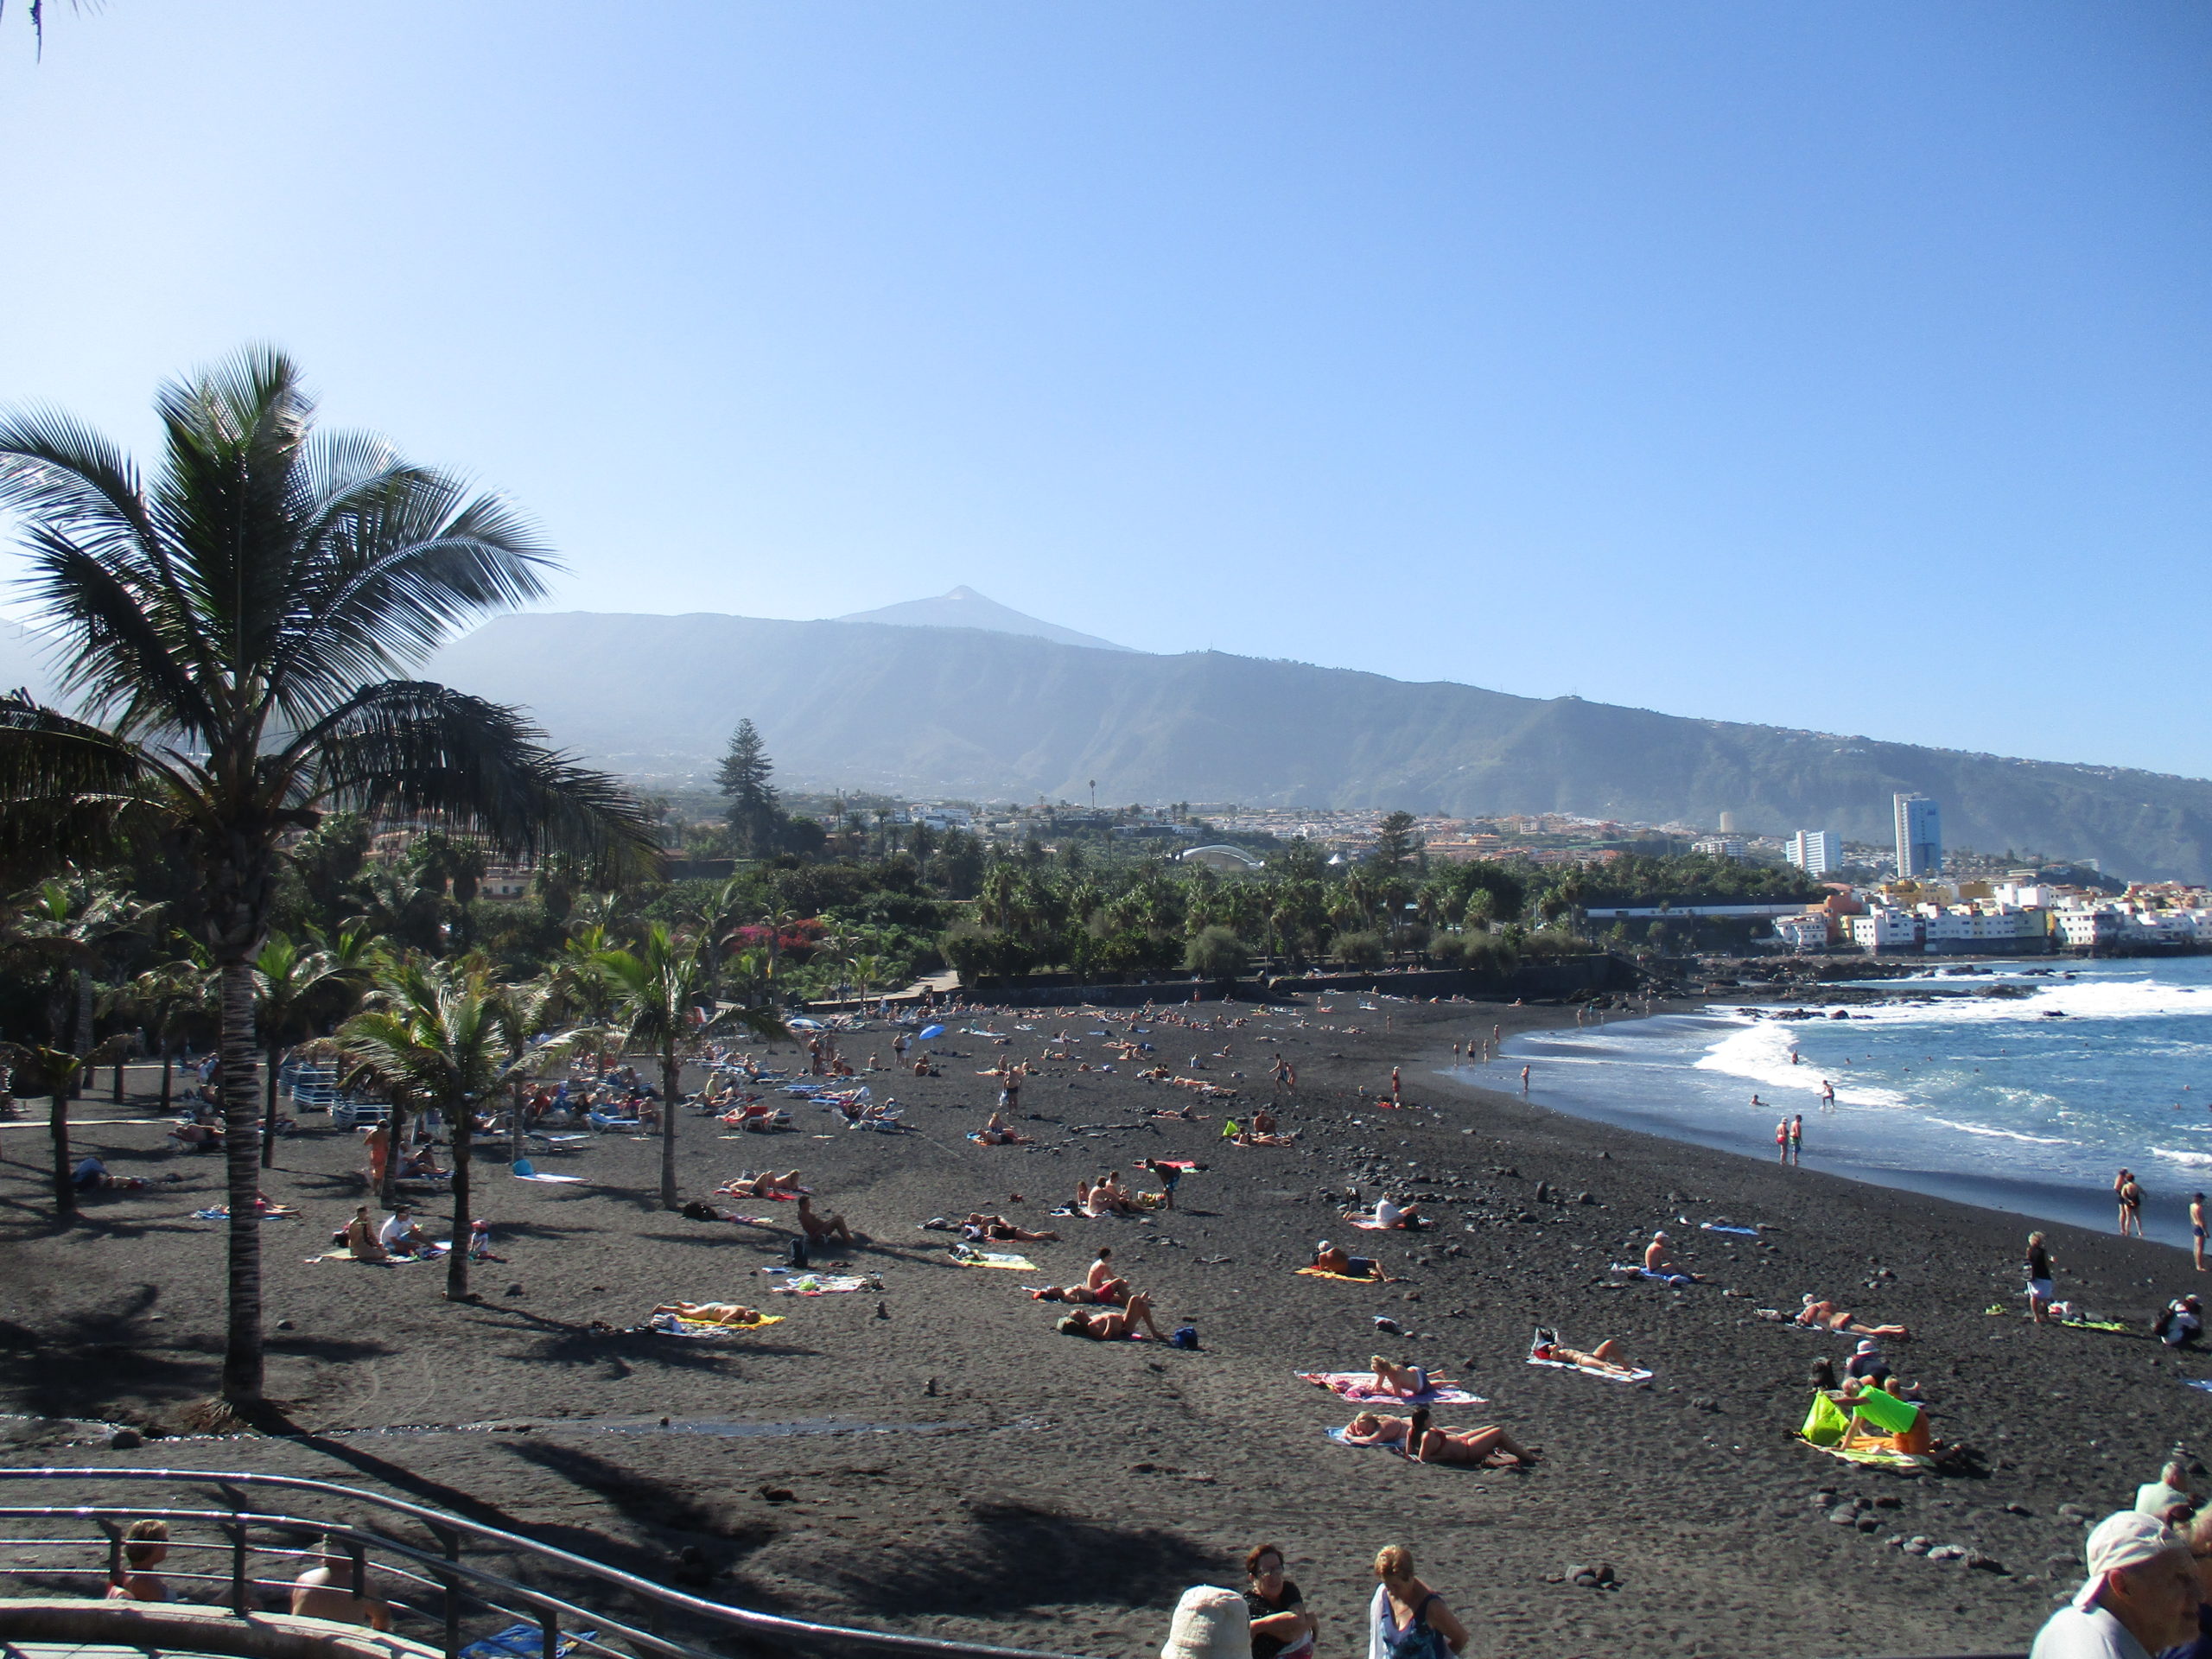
column 269, row 1113
column 242, row 1355
column 64, row 1189
column 464, row 1131
column 169, row 1072
column 670, row 1071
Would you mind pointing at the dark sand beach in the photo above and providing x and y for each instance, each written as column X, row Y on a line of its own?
column 961, row 1468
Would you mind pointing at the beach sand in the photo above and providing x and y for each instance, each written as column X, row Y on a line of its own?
column 999, row 1481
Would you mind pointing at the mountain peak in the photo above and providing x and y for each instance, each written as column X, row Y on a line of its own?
column 963, row 608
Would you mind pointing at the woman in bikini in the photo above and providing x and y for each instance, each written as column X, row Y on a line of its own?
column 1115, row 1327
column 1816, row 1314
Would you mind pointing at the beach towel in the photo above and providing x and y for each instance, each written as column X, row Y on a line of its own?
column 670, row 1324
column 2201, row 1383
column 818, row 1284
column 1877, row 1457
column 1675, row 1279
column 1172, row 1163
column 1369, row 1225
column 221, row 1213
column 1341, row 1278
column 728, row 1190
column 974, row 1258
column 1391, row 1447
column 1632, row 1375
column 344, row 1254
column 1360, row 1386
column 524, row 1641
column 553, row 1180
column 1716, row 1227
column 2096, row 1324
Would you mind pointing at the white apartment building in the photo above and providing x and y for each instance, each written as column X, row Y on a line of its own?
column 1719, row 847
column 1816, row 851
column 1886, row 928
column 2088, row 930
column 1807, row 933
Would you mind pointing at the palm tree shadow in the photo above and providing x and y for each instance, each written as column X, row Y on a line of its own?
column 561, row 1343
column 81, row 1361
column 1060, row 1559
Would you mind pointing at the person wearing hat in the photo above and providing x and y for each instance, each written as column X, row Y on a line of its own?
column 2182, row 1323
column 1867, row 1364
column 400, row 1235
column 2141, row 1595
column 1210, row 1623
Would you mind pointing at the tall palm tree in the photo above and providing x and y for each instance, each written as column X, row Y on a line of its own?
column 231, row 632
column 658, row 990
column 442, row 1037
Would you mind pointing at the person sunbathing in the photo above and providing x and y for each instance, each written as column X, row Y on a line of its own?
column 1606, row 1357
column 764, row 1186
column 822, row 1229
column 1659, row 1263
column 1117, row 1326
column 1332, row 1258
column 1490, row 1448
column 1263, row 1122
column 1391, row 1215
column 996, row 1133
column 1108, row 1197
column 1375, row 1428
column 1407, row 1380
column 1188, row 1114
column 1000, row 1227
column 1816, row 1314
column 361, row 1238
column 1116, row 1292
column 729, row 1313
column 400, row 1235
column 422, row 1165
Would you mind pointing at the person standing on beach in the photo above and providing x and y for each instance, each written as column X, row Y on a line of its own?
column 1524, row 1079
column 1797, row 1138
column 2197, row 1227
column 2125, row 1188
column 1407, row 1619
column 2041, row 1288
column 1782, row 1141
column 1397, row 1090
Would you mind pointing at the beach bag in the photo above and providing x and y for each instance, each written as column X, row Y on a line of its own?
column 1184, row 1336
column 698, row 1211
column 798, row 1257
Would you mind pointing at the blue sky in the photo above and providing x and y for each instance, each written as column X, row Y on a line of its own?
column 1832, row 365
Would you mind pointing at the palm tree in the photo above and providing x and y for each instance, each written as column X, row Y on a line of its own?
column 290, row 984
column 657, row 991
column 443, row 1038
column 165, row 997
column 228, row 629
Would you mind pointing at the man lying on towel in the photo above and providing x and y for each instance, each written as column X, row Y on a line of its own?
column 1332, row 1258
column 1606, row 1357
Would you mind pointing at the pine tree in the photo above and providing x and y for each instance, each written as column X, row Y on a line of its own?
column 1394, row 841
column 755, row 812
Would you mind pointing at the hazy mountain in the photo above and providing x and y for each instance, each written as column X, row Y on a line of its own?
column 968, row 713
column 963, row 608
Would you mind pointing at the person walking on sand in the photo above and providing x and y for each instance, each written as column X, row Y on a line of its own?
column 1397, row 1089
column 2196, row 1228
column 1797, row 1138
column 2131, row 1204
column 2042, row 1291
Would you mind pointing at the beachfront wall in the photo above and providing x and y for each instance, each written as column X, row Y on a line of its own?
column 1555, row 976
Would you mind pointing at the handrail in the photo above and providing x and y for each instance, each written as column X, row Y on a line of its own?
column 444, row 1526
column 447, row 1568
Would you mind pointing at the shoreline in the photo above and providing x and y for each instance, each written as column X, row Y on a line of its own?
column 2066, row 1204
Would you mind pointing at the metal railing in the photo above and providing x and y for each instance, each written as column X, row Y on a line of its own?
column 448, row 1585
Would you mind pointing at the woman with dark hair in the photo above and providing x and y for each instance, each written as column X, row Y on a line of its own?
column 1281, row 1628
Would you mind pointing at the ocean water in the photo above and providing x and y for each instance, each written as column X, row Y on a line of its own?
column 2030, row 1104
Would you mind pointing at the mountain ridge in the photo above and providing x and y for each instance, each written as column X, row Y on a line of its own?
column 963, row 608
column 953, row 710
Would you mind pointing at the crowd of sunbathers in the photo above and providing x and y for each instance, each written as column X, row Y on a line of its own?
column 400, row 1237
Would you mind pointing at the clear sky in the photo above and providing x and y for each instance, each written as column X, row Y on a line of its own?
column 1833, row 365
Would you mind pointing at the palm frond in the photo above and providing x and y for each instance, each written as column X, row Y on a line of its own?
column 70, row 788
column 409, row 746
